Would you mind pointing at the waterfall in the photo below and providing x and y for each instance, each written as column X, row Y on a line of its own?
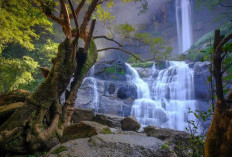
column 184, row 26
column 166, row 97
column 95, row 95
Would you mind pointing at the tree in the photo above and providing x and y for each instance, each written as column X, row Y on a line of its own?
column 37, row 126
column 219, row 140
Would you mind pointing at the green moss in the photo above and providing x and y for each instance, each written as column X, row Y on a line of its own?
column 165, row 146
column 107, row 130
column 143, row 64
column 59, row 150
column 160, row 65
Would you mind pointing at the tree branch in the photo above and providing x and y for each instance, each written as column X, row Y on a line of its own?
column 79, row 8
column 88, row 15
column 226, row 68
column 67, row 23
column 56, row 19
column 120, row 49
column 127, row 37
column 101, row 2
column 89, row 37
column 222, row 42
column 110, row 39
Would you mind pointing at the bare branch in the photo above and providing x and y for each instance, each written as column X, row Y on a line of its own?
column 101, row 2
column 222, row 42
column 120, row 49
column 67, row 23
column 127, row 37
column 88, row 15
column 56, row 19
column 74, row 15
column 78, row 10
column 110, row 39
column 89, row 37
column 76, row 23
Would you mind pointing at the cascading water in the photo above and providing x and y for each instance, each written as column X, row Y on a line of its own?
column 95, row 95
column 184, row 26
column 166, row 102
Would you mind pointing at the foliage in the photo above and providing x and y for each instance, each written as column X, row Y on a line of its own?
column 16, row 72
column 156, row 46
column 143, row 64
column 165, row 146
column 198, row 130
column 18, row 19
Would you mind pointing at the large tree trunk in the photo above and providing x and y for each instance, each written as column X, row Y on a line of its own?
column 219, row 136
column 37, row 126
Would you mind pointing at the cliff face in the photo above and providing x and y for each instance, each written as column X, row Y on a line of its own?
column 160, row 20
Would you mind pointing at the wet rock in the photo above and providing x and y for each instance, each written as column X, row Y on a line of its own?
column 112, row 121
column 114, row 145
column 83, row 129
column 201, row 87
column 111, row 88
column 130, row 124
column 110, row 70
column 178, row 141
column 82, row 115
column 127, row 91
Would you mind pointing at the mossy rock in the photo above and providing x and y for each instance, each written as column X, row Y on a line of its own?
column 84, row 129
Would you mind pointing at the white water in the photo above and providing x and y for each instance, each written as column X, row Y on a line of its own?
column 184, row 24
column 166, row 102
column 95, row 103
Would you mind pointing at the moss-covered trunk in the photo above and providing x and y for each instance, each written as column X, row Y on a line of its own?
column 219, row 136
column 35, row 126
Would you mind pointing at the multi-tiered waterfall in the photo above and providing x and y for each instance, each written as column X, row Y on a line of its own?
column 161, row 96
column 165, row 103
column 184, row 24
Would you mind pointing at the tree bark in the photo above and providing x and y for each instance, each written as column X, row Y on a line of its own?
column 219, row 136
column 36, row 126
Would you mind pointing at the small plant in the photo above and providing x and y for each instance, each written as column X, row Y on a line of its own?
column 197, row 138
column 107, row 131
column 59, row 150
column 143, row 64
column 165, row 146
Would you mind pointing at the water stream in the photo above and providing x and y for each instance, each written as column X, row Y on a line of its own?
column 184, row 24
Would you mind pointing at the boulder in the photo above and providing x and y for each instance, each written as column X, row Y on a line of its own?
column 178, row 141
column 201, row 74
column 82, row 130
column 82, row 115
column 110, row 70
column 112, row 121
column 130, row 124
column 113, row 145
column 112, row 105
column 127, row 91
